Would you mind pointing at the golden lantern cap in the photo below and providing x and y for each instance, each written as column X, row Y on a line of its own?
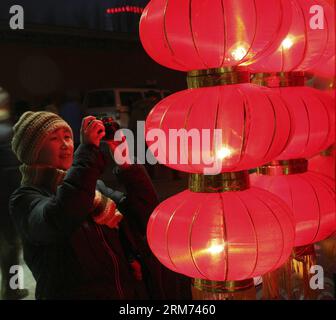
column 283, row 167
column 217, row 77
column 279, row 79
column 224, row 182
column 222, row 286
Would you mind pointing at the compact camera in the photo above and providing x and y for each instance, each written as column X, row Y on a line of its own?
column 111, row 126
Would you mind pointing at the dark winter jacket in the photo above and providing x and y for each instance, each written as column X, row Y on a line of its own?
column 70, row 256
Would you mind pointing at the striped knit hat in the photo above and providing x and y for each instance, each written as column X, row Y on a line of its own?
column 30, row 132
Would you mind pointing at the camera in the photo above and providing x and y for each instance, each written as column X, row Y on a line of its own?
column 111, row 126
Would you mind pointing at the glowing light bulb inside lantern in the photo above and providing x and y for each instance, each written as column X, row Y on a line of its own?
column 239, row 53
column 287, row 43
column 216, row 248
column 223, row 153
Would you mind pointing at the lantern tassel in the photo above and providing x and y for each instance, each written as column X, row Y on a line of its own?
column 292, row 280
column 270, row 286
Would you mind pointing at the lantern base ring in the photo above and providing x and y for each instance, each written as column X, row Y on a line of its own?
column 279, row 79
column 222, row 286
column 283, row 167
column 224, row 182
column 216, row 77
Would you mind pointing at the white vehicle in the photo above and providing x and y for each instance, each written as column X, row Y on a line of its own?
column 117, row 102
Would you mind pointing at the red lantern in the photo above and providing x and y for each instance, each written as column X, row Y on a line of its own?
column 311, row 196
column 201, row 34
column 313, row 121
column 253, row 122
column 306, row 44
column 222, row 236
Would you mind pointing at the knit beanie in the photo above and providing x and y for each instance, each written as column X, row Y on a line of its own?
column 30, row 132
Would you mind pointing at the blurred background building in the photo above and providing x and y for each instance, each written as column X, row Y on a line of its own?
column 77, row 46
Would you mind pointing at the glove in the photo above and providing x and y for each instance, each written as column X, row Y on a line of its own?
column 105, row 211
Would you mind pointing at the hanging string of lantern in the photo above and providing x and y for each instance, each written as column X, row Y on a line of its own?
column 222, row 232
column 208, row 245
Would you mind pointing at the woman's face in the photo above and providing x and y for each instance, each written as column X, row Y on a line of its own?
column 57, row 150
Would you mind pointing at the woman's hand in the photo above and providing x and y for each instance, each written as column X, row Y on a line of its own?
column 92, row 131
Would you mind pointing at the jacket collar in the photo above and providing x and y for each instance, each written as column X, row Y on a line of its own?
column 48, row 178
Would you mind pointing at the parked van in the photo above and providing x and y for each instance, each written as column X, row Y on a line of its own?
column 117, row 102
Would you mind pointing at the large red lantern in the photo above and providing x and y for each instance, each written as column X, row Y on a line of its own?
column 310, row 195
column 309, row 42
column 242, row 114
column 222, row 236
column 201, row 34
